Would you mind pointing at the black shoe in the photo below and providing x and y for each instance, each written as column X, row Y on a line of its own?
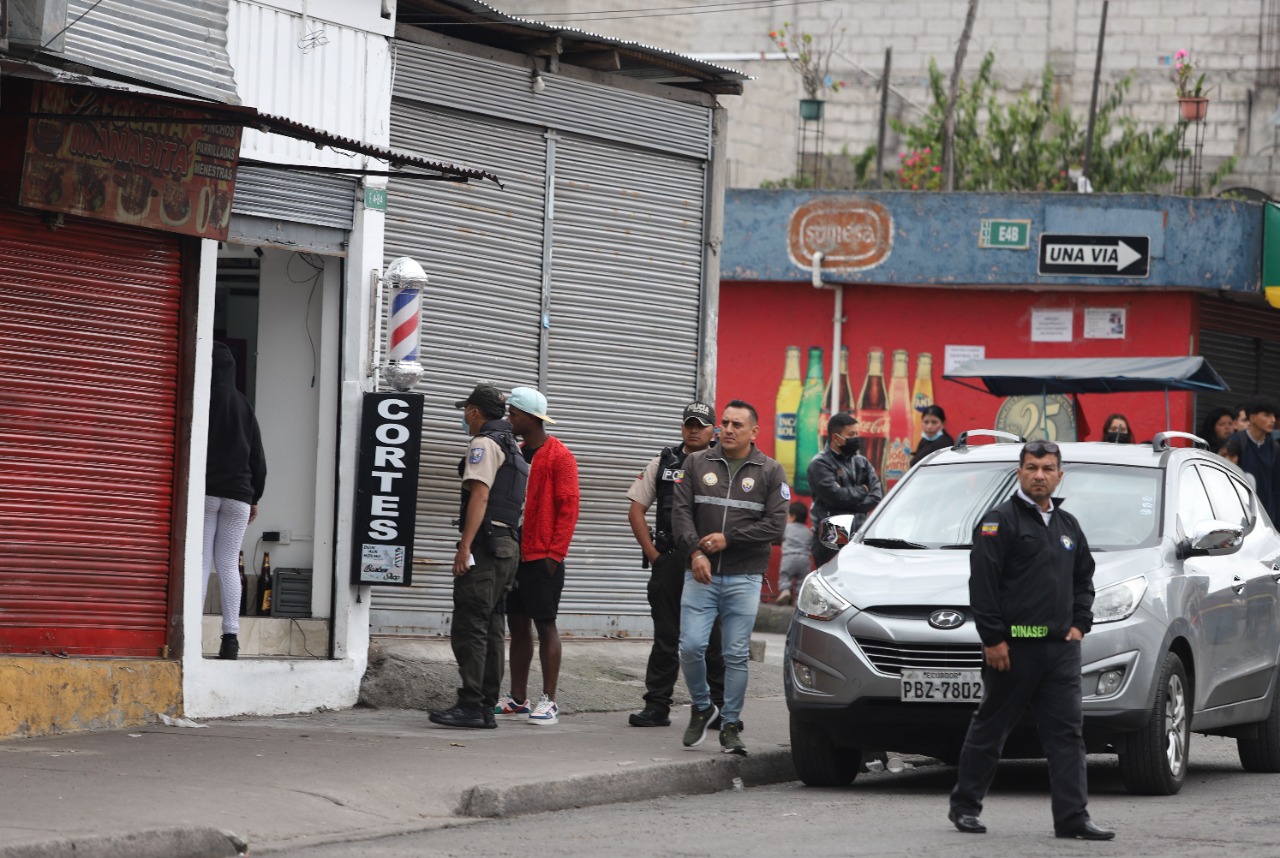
column 650, row 717
column 490, row 719
column 230, row 648
column 967, row 822
column 459, row 716
column 1086, row 831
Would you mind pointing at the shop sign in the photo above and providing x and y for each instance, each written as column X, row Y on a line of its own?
column 153, row 165
column 1005, row 234
column 387, row 489
column 852, row 233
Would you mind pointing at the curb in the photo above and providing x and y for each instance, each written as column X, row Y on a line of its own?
column 148, row 843
column 705, row 775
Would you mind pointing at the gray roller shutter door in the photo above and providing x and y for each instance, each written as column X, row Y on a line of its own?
column 299, row 197
column 481, row 247
column 623, row 342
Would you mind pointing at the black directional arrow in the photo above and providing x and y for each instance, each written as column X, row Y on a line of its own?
column 1095, row 255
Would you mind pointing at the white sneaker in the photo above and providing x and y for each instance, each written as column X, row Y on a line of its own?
column 546, row 712
column 509, row 707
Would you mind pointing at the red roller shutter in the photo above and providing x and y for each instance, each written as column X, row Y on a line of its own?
column 89, row 326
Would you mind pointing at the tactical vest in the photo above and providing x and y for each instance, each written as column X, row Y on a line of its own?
column 506, row 495
column 670, row 472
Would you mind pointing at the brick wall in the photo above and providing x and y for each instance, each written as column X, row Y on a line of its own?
column 1225, row 37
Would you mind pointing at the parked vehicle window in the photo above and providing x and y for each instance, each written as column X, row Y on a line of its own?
column 1193, row 500
column 1246, row 500
column 1118, row 507
column 1226, row 503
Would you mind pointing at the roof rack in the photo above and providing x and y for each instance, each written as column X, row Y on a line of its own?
column 962, row 441
column 1160, row 442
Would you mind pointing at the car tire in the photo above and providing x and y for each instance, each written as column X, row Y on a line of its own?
column 1261, row 752
column 1154, row 759
column 819, row 761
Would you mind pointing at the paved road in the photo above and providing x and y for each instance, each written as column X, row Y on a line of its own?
column 1221, row 811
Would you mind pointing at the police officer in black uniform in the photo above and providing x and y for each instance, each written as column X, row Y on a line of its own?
column 657, row 483
column 494, row 475
column 842, row 481
column 1031, row 590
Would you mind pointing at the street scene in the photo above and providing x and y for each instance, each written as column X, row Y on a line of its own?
column 713, row 426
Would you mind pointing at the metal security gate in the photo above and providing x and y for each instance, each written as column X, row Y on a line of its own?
column 1242, row 342
column 582, row 277
column 89, row 329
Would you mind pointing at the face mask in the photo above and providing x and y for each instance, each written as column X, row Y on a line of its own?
column 1116, row 437
column 934, row 437
column 848, row 447
column 466, row 427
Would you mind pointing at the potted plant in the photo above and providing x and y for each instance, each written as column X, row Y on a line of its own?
column 812, row 61
column 1193, row 101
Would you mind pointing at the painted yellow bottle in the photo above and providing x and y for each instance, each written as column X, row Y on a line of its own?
column 921, row 394
column 785, row 407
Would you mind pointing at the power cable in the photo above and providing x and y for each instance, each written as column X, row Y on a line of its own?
column 96, row 4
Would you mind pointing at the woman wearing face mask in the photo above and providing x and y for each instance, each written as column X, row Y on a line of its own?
column 935, row 435
column 1217, row 426
column 1117, row 430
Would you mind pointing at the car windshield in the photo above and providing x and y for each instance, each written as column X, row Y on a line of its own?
column 1118, row 507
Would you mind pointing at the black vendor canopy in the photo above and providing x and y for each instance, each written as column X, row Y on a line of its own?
column 1042, row 376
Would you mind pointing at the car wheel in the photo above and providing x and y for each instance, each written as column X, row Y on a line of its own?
column 1261, row 752
column 1154, row 760
column 820, row 762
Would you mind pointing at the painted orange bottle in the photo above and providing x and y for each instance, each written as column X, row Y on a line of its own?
column 897, row 458
column 921, row 395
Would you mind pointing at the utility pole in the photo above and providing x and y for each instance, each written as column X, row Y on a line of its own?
column 884, row 119
column 949, row 117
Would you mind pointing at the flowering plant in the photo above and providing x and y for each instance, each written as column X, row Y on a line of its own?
column 1184, row 76
column 811, row 62
column 920, row 170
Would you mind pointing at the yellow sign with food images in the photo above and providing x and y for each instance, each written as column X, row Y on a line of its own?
column 129, row 160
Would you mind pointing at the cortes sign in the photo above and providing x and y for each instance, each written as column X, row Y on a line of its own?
column 387, row 489
column 852, row 233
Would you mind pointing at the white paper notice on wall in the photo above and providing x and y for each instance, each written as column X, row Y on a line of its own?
column 1051, row 326
column 956, row 355
column 1104, row 323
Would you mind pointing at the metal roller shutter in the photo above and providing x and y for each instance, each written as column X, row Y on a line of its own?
column 280, row 194
column 481, row 246
column 89, row 330
column 1242, row 342
column 623, row 346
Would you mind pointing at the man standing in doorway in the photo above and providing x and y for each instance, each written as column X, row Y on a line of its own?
column 730, row 508
column 550, row 515
column 1259, row 453
column 1031, row 590
column 842, row 482
column 658, row 483
column 493, row 475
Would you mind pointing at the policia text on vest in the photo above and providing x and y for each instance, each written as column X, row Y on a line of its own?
column 387, row 489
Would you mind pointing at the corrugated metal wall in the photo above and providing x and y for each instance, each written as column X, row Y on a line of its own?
column 89, row 321
column 619, row 241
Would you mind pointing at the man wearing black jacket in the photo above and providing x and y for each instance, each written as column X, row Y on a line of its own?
column 1031, row 590
column 842, row 482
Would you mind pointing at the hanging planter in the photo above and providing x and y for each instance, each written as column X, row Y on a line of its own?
column 811, row 109
column 1193, row 109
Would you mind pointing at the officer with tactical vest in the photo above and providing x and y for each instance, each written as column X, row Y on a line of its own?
column 494, row 475
column 666, row 583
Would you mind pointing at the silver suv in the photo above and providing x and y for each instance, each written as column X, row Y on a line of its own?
column 883, row 653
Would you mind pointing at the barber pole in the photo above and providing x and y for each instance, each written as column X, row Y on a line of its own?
column 406, row 316
column 407, row 279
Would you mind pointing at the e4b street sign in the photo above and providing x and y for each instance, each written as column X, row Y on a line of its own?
column 1095, row 255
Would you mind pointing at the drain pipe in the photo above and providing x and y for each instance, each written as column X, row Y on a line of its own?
column 837, row 322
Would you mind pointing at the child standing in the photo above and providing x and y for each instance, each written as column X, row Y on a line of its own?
column 795, row 553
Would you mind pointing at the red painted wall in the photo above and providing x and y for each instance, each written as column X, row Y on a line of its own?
column 759, row 320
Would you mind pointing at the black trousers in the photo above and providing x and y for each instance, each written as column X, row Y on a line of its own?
column 665, row 586
column 478, row 634
column 1044, row 675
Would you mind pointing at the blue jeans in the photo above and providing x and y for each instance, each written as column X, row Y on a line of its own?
column 735, row 599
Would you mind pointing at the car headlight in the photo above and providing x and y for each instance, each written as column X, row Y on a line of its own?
column 818, row 601
column 1119, row 601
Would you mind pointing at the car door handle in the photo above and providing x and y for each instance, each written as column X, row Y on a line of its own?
column 1237, row 584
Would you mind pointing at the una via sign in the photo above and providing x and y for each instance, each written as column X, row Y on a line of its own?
column 1095, row 255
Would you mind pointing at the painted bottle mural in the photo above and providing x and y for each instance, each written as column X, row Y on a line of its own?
column 785, row 406
column 873, row 410
column 921, row 395
column 844, row 394
column 807, row 419
column 897, row 458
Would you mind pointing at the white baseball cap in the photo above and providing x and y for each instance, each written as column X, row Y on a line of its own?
column 530, row 401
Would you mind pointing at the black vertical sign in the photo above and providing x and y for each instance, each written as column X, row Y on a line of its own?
column 387, row 489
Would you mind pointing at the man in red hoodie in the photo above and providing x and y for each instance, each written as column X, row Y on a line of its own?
column 550, row 515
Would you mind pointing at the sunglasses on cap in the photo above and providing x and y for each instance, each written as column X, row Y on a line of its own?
column 1042, row 448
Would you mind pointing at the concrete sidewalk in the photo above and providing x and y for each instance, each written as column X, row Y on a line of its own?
column 342, row 776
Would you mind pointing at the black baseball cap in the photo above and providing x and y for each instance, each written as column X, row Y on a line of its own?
column 699, row 411
column 485, row 397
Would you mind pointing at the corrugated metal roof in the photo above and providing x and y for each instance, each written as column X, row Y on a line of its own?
column 645, row 61
column 176, row 44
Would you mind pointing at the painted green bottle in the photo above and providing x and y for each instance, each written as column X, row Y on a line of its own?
column 808, row 416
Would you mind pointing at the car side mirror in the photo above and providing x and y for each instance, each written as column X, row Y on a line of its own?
column 836, row 531
column 1214, row 539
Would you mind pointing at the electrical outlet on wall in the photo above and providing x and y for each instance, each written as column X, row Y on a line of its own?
column 286, row 536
